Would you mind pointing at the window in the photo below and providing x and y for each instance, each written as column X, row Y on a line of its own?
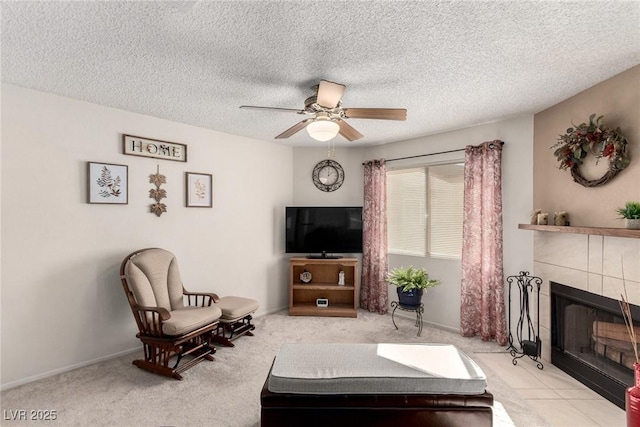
column 406, row 211
column 424, row 210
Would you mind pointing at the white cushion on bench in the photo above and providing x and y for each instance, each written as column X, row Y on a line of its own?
column 309, row 368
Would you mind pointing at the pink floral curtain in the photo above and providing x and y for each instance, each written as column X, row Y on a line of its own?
column 482, row 308
column 373, row 286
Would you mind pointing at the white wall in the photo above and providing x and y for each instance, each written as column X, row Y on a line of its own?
column 62, row 301
column 442, row 303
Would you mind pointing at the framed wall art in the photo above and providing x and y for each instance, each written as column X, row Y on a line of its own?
column 199, row 190
column 108, row 183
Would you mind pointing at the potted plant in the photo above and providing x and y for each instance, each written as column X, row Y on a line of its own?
column 631, row 214
column 410, row 284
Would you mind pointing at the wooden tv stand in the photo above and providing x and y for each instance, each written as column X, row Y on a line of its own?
column 343, row 300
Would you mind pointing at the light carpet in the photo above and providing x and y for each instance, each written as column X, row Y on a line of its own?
column 226, row 392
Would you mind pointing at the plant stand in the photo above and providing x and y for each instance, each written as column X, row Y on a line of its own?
column 532, row 346
column 417, row 309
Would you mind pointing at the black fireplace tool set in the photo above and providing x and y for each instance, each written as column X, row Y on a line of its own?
column 530, row 346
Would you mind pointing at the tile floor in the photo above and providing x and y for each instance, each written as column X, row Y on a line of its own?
column 559, row 398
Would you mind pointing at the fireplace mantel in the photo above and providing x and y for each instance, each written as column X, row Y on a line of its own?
column 599, row 231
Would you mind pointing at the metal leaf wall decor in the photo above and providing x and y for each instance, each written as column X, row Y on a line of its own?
column 158, row 193
column 110, row 186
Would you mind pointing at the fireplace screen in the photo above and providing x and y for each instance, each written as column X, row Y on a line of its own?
column 589, row 340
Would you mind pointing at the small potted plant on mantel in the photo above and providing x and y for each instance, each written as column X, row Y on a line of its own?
column 410, row 284
column 631, row 214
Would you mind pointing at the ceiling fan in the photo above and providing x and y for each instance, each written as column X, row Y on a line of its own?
column 328, row 116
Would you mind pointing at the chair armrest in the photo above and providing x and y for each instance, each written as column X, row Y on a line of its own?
column 163, row 312
column 202, row 299
column 150, row 319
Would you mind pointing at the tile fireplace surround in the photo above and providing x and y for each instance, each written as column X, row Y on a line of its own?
column 589, row 262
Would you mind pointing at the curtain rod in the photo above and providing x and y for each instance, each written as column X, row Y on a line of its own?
column 423, row 155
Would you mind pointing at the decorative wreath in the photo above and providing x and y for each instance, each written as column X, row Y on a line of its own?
column 594, row 138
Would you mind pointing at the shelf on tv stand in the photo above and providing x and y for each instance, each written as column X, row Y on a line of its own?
column 325, row 287
column 310, row 309
column 343, row 299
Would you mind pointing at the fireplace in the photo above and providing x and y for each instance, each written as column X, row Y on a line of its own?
column 589, row 341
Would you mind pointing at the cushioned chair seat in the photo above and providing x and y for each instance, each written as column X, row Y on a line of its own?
column 235, row 308
column 187, row 319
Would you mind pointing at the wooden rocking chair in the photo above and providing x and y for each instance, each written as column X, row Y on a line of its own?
column 167, row 327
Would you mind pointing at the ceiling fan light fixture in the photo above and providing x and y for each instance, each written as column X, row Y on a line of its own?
column 328, row 116
column 323, row 129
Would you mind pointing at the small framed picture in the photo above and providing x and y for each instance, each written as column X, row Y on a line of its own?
column 108, row 183
column 199, row 190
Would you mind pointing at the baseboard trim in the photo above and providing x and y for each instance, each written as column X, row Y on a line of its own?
column 264, row 313
column 23, row 381
column 27, row 380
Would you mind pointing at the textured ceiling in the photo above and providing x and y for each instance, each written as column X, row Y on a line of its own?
column 451, row 64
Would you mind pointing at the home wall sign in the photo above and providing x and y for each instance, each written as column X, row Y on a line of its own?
column 145, row 147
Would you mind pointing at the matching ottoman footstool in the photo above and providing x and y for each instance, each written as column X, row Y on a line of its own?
column 375, row 385
column 235, row 320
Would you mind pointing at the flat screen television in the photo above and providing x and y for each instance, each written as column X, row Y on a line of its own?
column 322, row 231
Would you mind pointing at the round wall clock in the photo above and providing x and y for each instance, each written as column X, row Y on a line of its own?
column 328, row 175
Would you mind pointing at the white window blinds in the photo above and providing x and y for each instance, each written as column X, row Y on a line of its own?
column 445, row 192
column 424, row 210
column 406, row 211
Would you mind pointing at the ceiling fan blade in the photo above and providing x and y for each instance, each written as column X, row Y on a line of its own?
column 289, row 110
column 376, row 113
column 329, row 93
column 294, row 129
column 348, row 131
